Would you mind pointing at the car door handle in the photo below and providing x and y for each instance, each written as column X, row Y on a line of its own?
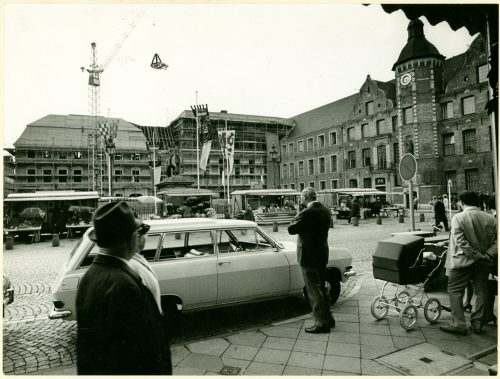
column 223, row 262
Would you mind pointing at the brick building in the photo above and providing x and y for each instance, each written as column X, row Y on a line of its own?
column 433, row 108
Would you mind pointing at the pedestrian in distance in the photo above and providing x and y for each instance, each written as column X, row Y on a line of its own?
column 120, row 330
column 354, row 210
column 440, row 214
column 248, row 215
column 471, row 251
column 312, row 225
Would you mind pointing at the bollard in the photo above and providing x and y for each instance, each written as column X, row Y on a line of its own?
column 55, row 240
column 9, row 242
column 422, row 217
column 355, row 221
column 275, row 226
column 379, row 220
column 401, row 218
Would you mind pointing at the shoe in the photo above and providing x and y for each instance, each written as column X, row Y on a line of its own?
column 492, row 319
column 453, row 330
column 316, row 329
column 468, row 308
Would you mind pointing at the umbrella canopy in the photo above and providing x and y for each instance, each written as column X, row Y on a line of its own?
column 149, row 200
column 32, row 213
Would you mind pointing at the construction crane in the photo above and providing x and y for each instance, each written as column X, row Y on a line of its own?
column 95, row 126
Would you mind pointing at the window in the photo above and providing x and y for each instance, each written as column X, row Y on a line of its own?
column 396, row 152
column 380, row 127
column 397, row 180
column 47, row 176
column 449, row 144
column 301, row 187
column 335, row 183
column 77, row 175
column 310, row 167
column 365, row 132
column 300, row 146
column 31, row 154
column 472, row 179
column 292, row 170
column 351, row 157
column 321, row 141
column 353, row 183
column 310, row 144
column 77, row 155
column 451, row 175
column 321, row 165
column 191, row 245
column 367, row 182
column 135, row 175
column 283, row 150
column 408, row 115
column 290, row 148
column 292, row 186
column 350, row 134
column 366, row 157
column 63, row 175
column 333, row 138
column 447, row 110
column 333, row 163
column 63, row 155
column 47, row 172
column 468, row 105
column 469, row 138
column 369, row 108
column 118, row 156
column 31, row 171
column 136, row 157
column 301, row 168
column 394, row 123
column 47, row 154
column 284, row 170
column 482, row 73
column 322, row 184
column 311, row 184
column 381, row 157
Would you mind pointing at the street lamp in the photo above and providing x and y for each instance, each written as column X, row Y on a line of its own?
column 274, row 158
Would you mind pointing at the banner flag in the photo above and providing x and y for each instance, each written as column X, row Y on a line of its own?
column 223, row 178
column 226, row 142
column 205, row 133
column 103, row 130
column 157, row 175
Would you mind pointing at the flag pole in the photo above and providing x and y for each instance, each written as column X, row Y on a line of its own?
column 227, row 164
column 197, row 145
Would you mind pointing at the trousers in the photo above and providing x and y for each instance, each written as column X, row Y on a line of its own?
column 314, row 280
column 457, row 282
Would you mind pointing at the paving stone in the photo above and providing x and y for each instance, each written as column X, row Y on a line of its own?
column 374, row 328
column 367, row 318
column 344, row 349
column 301, row 371
column 374, row 351
column 307, row 346
column 306, row 360
column 258, row 368
column 346, row 317
column 272, row 356
column 255, row 339
column 187, row 371
column 235, row 362
column 294, row 324
column 313, row 337
column 344, row 309
column 281, row 343
column 376, row 340
column 202, row 362
column 338, row 373
column 178, row 353
column 342, row 326
column 215, row 346
column 404, row 342
column 346, row 364
column 348, row 337
column 241, row 352
column 457, row 347
column 280, row 331
column 369, row 367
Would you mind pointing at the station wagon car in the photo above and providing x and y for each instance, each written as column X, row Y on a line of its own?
column 204, row 263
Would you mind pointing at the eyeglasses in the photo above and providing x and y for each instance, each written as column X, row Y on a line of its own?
column 143, row 229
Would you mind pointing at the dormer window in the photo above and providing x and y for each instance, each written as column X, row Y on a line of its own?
column 369, row 108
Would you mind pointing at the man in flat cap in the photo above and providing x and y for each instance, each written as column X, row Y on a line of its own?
column 120, row 328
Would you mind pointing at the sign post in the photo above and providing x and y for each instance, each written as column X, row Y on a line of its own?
column 407, row 171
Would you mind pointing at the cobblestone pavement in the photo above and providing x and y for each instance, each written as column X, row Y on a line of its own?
column 32, row 342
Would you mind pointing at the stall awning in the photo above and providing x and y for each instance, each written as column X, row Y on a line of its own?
column 51, row 196
column 354, row 191
column 187, row 192
column 268, row 192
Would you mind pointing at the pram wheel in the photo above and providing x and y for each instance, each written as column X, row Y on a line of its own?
column 408, row 317
column 432, row 310
column 380, row 307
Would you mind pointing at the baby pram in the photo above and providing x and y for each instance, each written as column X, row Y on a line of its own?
column 403, row 262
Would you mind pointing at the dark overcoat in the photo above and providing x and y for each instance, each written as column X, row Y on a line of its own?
column 120, row 329
column 311, row 225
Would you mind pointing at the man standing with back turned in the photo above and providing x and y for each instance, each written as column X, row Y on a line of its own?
column 312, row 224
column 471, row 252
column 120, row 329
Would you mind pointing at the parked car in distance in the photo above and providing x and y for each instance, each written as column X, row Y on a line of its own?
column 204, row 263
column 8, row 293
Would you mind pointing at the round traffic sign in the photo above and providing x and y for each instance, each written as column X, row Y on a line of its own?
column 407, row 167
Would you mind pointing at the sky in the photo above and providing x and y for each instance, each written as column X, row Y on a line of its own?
column 271, row 60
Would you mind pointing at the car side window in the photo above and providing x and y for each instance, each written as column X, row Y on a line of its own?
column 90, row 256
column 187, row 245
column 150, row 246
column 246, row 240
